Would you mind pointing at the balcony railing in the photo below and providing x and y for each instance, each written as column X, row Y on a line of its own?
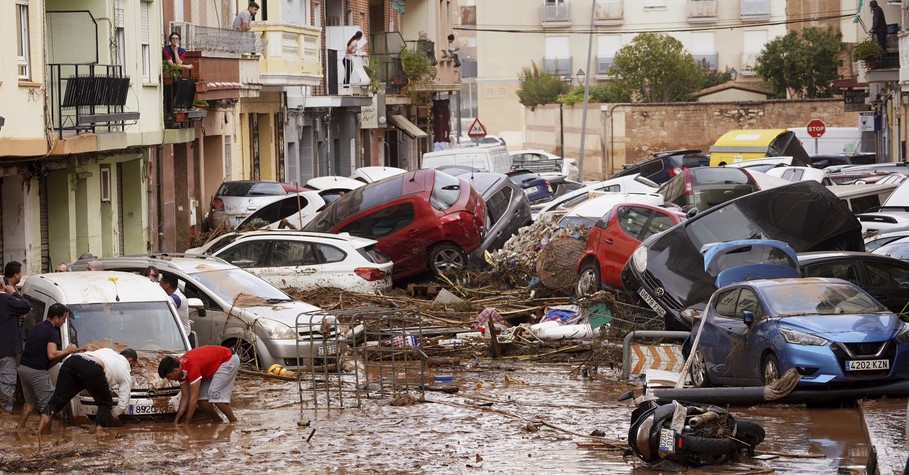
column 292, row 54
column 386, row 60
column 604, row 64
column 84, row 96
column 220, row 40
column 609, row 12
column 702, row 10
column 755, row 10
column 710, row 61
column 555, row 13
column 558, row 66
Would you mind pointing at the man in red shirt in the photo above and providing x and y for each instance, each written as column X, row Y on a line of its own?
column 206, row 375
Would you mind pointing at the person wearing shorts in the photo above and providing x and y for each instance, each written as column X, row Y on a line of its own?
column 206, row 375
column 41, row 352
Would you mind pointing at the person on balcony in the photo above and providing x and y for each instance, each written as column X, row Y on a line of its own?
column 452, row 51
column 353, row 48
column 878, row 24
column 174, row 54
column 245, row 17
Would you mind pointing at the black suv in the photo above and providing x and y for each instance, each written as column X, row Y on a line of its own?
column 662, row 166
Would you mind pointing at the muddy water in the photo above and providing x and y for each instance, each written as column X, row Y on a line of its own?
column 482, row 429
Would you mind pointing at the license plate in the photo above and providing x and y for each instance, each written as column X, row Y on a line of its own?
column 650, row 301
column 867, row 365
column 667, row 440
column 142, row 410
column 327, row 350
column 529, row 191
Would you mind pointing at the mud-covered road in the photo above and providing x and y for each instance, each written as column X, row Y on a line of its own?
column 508, row 417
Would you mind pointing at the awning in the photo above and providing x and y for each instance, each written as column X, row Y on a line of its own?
column 407, row 127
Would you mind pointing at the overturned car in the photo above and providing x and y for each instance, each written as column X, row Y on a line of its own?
column 667, row 270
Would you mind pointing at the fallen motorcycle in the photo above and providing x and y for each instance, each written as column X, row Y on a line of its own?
column 688, row 434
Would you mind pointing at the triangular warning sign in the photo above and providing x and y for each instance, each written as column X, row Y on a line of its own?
column 476, row 129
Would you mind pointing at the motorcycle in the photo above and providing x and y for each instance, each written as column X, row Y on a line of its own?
column 688, row 434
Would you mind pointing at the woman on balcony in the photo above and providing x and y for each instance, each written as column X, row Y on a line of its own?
column 353, row 48
column 174, row 54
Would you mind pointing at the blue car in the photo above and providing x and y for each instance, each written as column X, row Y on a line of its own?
column 536, row 188
column 829, row 330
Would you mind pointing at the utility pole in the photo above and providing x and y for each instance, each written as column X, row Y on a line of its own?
column 593, row 8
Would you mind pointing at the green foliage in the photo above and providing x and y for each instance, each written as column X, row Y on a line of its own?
column 420, row 73
column 801, row 65
column 170, row 70
column 373, row 72
column 715, row 78
column 599, row 93
column 656, row 68
column 200, row 104
column 539, row 87
column 867, row 51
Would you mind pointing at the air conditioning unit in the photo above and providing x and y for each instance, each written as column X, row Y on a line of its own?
column 184, row 29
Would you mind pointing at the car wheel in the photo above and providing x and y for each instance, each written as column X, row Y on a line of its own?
column 246, row 352
column 446, row 256
column 698, row 371
column 588, row 281
column 770, row 370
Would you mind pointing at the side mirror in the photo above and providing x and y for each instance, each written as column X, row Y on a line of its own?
column 197, row 304
column 748, row 317
column 691, row 211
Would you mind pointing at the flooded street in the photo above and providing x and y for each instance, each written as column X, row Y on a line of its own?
column 506, row 418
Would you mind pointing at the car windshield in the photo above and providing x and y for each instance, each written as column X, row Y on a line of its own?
column 357, row 200
column 717, row 175
column 221, row 242
column 819, row 298
column 228, row 284
column 142, row 326
column 725, row 224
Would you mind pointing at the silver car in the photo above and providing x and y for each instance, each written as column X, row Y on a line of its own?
column 262, row 324
column 235, row 200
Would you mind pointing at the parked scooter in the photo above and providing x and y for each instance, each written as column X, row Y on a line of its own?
column 688, row 434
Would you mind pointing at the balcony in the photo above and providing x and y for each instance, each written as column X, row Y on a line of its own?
column 604, row 64
column 755, row 10
column 291, row 56
column 216, row 55
column 749, row 61
column 702, row 11
column 385, row 60
column 609, row 12
column 709, row 61
column 558, row 66
column 555, row 14
column 447, row 78
column 88, row 98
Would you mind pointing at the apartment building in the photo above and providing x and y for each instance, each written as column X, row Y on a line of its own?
column 82, row 108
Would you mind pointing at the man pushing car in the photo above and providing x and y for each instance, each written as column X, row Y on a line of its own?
column 206, row 375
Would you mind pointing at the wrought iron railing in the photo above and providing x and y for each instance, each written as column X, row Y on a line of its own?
column 386, row 60
column 83, row 96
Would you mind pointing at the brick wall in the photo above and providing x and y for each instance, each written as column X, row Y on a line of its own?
column 625, row 133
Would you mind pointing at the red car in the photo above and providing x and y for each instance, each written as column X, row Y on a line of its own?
column 424, row 220
column 612, row 240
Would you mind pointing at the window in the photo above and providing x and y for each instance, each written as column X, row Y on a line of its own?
column 382, row 222
column 703, row 42
column 105, row 183
column 245, row 254
column 328, row 254
column 754, row 41
column 291, row 253
column 557, row 55
column 660, row 223
column 145, row 39
column 633, row 219
column 748, row 302
column 497, row 205
column 725, row 303
column 23, row 51
column 839, row 270
column 882, row 275
column 607, row 47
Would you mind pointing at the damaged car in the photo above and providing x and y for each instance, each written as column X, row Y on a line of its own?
column 114, row 310
column 667, row 270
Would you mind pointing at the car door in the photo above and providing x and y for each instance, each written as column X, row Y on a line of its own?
column 744, row 355
column 398, row 231
column 620, row 239
column 290, row 263
column 210, row 326
column 888, row 282
column 335, row 270
column 714, row 344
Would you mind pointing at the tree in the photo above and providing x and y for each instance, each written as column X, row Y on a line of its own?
column 656, row 68
column 599, row 93
column 801, row 65
column 539, row 87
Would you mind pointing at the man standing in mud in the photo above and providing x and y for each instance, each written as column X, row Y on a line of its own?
column 12, row 307
column 42, row 351
column 97, row 372
column 206, row 375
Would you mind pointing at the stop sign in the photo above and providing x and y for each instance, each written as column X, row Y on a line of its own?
column 816, row 128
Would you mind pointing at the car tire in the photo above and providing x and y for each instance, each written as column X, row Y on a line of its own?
column 446, row 256
column 246, row 352
column 588, row 281
column 770, row 369
column 699, row 376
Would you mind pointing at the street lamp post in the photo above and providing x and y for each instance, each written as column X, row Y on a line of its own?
column 561, row 133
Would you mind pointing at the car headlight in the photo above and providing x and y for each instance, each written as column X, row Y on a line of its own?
column 277, row 330
column 903, row 335
column 639, row 259
column 801, row 338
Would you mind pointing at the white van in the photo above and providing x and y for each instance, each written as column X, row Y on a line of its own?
column 485, row 159
column 836, row 140
column 116, row 310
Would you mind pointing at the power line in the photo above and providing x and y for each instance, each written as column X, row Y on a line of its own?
column 586, row 31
